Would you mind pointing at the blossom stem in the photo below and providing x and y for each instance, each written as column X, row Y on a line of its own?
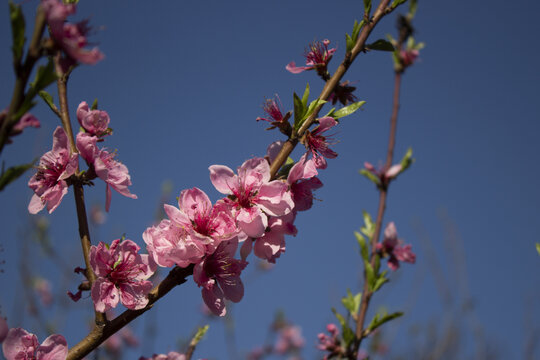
column 383, row 192
column 22, row 72
column 84, row 230
column 99, row 334
column 382, row 10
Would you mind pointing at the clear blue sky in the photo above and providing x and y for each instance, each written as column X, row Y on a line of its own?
column 183, row 83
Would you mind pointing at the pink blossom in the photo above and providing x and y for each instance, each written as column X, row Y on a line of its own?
column 3, row 329
column 289, row 339
column 94, row 122
column 210, row 224
column 106, row 167
column 70, row 37
column 393, row 247
column 332, row 343
column 317, row 57
column 49, row 182
column 254, row 195
column 219, row 276
column 318, row 144
column 43, row 288
column 173, row 355
column 408, row 56
column 273, row 109
column 384, row 175
column 122, row 275
column 20, row 344
column 272, row 244
column 170, row 244
column 302, row 180
column 27, row 120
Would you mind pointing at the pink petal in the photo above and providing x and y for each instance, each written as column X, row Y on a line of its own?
column 214, row 300
column 291, row 67
column 274, row 149
column 233, row 288
column 176, row 215
column 18, row 344
column 223, row 178
column 193, row 201
column 134, row 295
column 393, row 171
column 53, row 348
column 252, row 221
column 104, row 294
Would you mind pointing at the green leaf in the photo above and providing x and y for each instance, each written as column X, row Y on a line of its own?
column 13, row 173
column 396, row 3
column 298, row 111
column 380, row 319
column 407, row 160
column 412, row 8
column 199, row 335
column 349, row 41
column 305, row 97
column 348, row 110
column 370, row 274
column 352, row 303
column 47, row 98
column 340, row 318
column 17, row 30
column 377, row 264
column 363, row 245
column 538, row 248
column 356, row 29
column 370, row 176
column 369, row 227
column 381, row 280
column 70, row 1
column 381, row 45
column 367, row 6
column 94, row 105
column 348, row 336
column 312, row 107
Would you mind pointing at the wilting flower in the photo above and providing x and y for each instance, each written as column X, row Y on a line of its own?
column 122, row 275
column 219, row 276
column 20, row 344
column 318, row 144
column 343, row 93
column 49, row 182
column 289, row 339
column 106, row 167
column 302, row 180
column 205, row 222
column 70, row 37
column 317, row 57
column 255, row 196
column 173, row 355
column 94, row 122
column 170, row 244
column 394, row 248
column 273, row 109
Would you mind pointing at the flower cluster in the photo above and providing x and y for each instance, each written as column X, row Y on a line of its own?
column 394, row 248
column 50, row 183
column 331, row 344
column 317, row 58
column 71, row 38
column 256, row 211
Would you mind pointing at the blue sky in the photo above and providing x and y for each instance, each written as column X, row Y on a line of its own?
column 183, row 84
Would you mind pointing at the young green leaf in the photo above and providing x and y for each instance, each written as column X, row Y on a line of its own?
column 94, row 105
column 370, row 176
column 312, row 107
column 407, row 160
column 356, row 29
column 348, row 110
column 48, row 99
column 369, row 227
column 381, row 280
column 305, row 97
column 412, row 8
column 340, row 318
column 298, row 111
column 348, row 302
column 381, row 45
column 538, row 248
column 349, row 41
column 45, row 75
column 396, row 3
column 367, row 6
column 348, row 336
column 380, row 319
column 363, row 246
column 13, row 173
column 17, row 30
column 199, row 335
column 370, row 275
